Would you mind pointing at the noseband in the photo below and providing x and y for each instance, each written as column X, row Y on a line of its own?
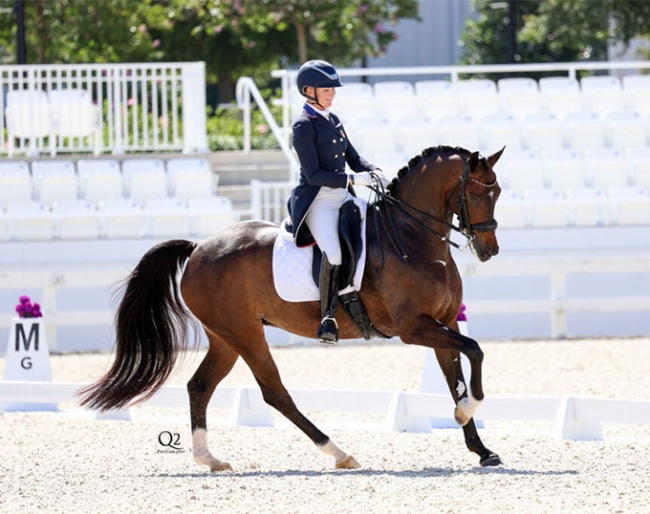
column 464, row 227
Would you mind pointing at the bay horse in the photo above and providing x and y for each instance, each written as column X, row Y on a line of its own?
column 411, row 289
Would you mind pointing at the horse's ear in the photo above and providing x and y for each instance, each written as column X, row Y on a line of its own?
column 473, row 161
column 492, row 159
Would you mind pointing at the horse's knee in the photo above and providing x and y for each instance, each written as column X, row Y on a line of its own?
column 474, row 352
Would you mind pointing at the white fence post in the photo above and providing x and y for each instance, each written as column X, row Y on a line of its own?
column 194, row 108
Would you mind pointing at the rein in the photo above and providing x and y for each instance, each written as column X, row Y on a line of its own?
column 464, row 227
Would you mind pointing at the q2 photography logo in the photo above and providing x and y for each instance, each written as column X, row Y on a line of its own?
column 170, row 442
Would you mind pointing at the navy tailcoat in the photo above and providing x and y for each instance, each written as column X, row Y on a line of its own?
column 323, row 150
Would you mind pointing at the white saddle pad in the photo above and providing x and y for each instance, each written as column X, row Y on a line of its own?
column 292, row 274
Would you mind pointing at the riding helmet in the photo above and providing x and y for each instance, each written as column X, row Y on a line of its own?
column 317, row 73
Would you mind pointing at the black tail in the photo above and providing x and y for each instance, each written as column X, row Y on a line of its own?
column 151, row 328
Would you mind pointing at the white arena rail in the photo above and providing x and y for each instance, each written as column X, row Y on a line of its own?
column 103, row 108
column 574, row 418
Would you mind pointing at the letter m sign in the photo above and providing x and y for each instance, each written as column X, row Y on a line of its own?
column 26, row 340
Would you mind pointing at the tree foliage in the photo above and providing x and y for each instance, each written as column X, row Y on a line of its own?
column 551, row 30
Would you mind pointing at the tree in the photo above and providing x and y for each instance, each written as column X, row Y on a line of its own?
column 551, row 30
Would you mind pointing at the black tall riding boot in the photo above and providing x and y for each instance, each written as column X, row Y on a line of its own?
column 328, row 281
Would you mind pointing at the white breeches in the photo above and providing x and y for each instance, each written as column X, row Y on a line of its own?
column 323, row 221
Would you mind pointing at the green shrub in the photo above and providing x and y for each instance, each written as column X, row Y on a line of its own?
column 225, row 129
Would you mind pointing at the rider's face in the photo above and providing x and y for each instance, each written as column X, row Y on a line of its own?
column 325, row 96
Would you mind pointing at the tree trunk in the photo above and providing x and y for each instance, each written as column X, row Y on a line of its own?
column 225, row 88
column 301, row 31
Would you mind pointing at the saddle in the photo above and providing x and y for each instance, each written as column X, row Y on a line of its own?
column 351, row 234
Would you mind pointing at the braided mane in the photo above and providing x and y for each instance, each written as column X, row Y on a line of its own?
column 426, row 153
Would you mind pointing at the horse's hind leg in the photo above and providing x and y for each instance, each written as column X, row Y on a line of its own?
column 450, row 365
column 276, row 395
column 216, row 364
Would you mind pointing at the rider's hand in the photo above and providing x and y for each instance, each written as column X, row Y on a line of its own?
column 363, row 178
column 382, row 178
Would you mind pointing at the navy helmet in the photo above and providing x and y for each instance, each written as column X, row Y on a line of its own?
column 317, row 73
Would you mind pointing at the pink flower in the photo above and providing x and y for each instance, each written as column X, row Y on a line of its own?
column 156, row 43
column 27, row 309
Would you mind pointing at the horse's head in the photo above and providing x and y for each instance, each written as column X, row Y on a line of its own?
column 477, row 196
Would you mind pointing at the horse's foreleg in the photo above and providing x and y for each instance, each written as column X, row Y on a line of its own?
column 429, row 332
column 217, row 363
column 452, row 370
column 276, row 395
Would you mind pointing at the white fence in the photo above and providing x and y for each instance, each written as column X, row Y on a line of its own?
column 574, row 418
column 102, row 108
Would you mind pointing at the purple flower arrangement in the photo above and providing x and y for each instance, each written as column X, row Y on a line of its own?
column 462, row 316
column 27, row 309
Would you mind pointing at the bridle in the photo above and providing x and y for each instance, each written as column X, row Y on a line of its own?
column 464, row 227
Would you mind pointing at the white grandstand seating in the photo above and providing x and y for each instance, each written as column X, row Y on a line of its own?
column 74, row 115
column 583, row 130
column 30, row 220
column 510, row 211
column 497, row 130
column 75, row 219
column 210, row 214
column 519, row 96
column 636, row 89
column 28, row 115
column 638, row 166
column 478, row 97
column 606, row 168
column 602, row 94
column 54, row 180
column 374, row 135
column 15, row 182
column 144, row 179
column 121, row 218
column 353, row 101
column 625, row 129
column 395, row 99
column 546, row 208
column 191, row 177
column 99, row 179
column 4, row 225
column 167, row 217
column 458, row 130
column 587, row 207
column 560, row 95
column 629, row 206
column 436, row 98
column 542, row 132
column 391, row 163
column 521, row 169
column 564, row 169
column 415, row 134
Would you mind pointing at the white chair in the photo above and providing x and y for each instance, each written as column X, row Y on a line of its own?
column 606, row 168
column 28, row 118
column 144, row 179
column 76, row 219
column 353, row 101
column 629, row 206
column 522, row 170
column 519, row 96
column 602, row 94
column 587, row 207
column 167, row 217
column 458, row 130
column 15, row 182
column 498, row 130
column 121, row 218
column 478, row 97
column 414, row 135
column 510, row 210
column 625, row 129
column 30, row 221
column 395, row 99
column 210, row 214
column 191, row 177
column 75, row 116
column 638, row 165
column 436, row 98
column 565, row 170
column 99, row 179
column 560, row 95
column 4, row 225
column 546, row 208
column 636, row 89
column 583, row 130
column 373, row 135
column 542, row 132
column 55, row 180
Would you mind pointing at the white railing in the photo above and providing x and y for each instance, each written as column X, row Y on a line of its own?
column 575, row 418
column 103, row 108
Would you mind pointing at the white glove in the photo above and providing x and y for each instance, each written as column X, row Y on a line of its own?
column 382, row 178
column 363, row 178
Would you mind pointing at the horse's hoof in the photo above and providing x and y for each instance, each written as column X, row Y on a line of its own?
column 491, row 460
column 348, row 463
column 221, row 466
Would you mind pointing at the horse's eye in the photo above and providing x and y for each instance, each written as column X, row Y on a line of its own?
column 474, row 200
